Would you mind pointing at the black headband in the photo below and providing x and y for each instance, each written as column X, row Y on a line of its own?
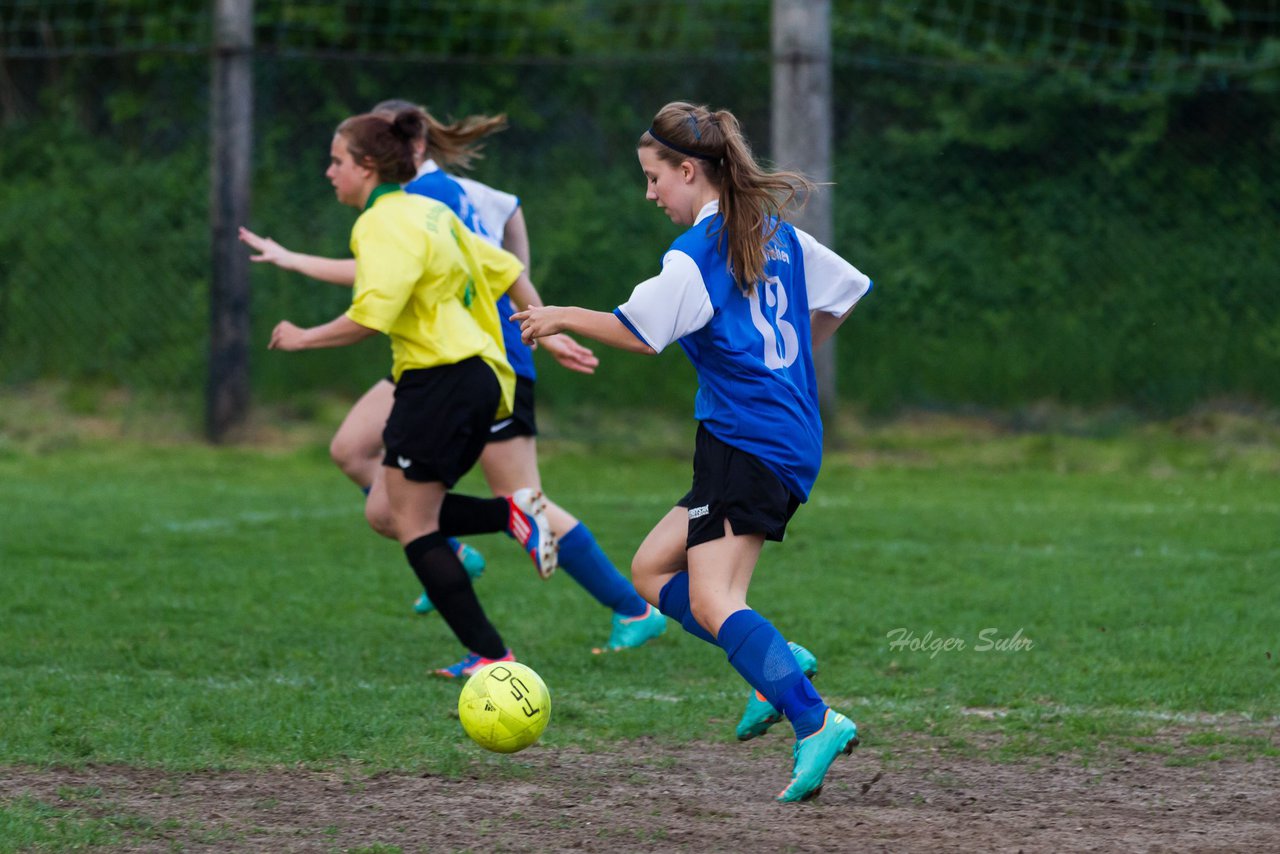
column 686, row 151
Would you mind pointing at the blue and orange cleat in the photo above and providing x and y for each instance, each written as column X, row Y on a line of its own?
column 760, row 714
column 472, row 562
column 470, row 663
column 527, row 524
column 631, row 632
column 814, row 755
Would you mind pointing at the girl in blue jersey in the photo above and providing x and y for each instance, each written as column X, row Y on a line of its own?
column 747, row 296
column 509, row 460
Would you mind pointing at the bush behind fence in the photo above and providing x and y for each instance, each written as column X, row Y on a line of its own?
column 1076, row 231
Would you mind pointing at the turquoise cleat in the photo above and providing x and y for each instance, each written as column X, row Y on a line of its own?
column 472, row 562
column 814, row 755
column 760, row 714
column 631, row 632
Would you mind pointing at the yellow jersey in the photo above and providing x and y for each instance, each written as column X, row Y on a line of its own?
column 430, row 284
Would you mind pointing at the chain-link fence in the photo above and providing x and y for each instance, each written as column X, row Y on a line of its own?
column 1067, row 201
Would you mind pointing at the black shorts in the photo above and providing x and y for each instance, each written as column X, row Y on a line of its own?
column 734, row 485
column 440, row 421
column 521, row 421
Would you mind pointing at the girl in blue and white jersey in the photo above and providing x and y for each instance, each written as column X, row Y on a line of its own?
column 747, row 296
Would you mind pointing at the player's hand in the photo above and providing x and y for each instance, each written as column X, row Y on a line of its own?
column 569, row 353
column 268, row 250
column 287, row 336
column 540, row 322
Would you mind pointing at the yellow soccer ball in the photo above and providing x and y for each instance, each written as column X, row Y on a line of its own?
column 504, row 707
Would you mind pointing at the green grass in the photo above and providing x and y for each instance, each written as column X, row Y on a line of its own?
column 187, row 607
column 26, row 823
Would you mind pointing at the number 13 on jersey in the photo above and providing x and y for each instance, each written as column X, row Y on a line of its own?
column 781, row 343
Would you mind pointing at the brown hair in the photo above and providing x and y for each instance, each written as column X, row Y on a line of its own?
column 384, row 143
column 454, row 144
column 752, row 199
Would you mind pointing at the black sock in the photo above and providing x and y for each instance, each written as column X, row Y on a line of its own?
column 449, row 587
column 463, row 515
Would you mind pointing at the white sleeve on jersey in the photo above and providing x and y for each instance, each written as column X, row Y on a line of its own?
column 493, row 207
column 833, row 283
column 671, row 304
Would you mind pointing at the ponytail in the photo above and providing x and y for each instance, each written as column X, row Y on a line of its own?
column 456, row 143
column 753, row 199
column 384, row 143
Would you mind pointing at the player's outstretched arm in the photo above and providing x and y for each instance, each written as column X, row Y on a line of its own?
column 569, row 353
column 602, row 326
column 338, row 332
column 337, row 271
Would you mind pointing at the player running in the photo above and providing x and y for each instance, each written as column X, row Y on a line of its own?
column 747, row 296
column 510, row 458
column 430, row 285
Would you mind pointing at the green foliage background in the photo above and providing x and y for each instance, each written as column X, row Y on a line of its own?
column 1067, row 202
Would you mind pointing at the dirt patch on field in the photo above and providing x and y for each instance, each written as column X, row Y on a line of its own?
column 718, row 797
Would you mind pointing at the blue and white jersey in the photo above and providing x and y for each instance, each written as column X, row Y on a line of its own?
column 485, row 211
column 757, row 391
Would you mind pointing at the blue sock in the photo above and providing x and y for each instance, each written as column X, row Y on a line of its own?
column 673, row 601
column 760, row 654
column 366, row 490
column 587, row 564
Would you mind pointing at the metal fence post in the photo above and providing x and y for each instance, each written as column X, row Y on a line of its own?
column 802, row 130
column 231, row 133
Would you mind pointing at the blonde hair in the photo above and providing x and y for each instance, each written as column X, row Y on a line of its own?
column 454, row 144
column 753, row 199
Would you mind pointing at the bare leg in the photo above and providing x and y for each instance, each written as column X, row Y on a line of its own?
column 377, row 507
column 661, row 555
column 357, row 446
column 414, row 508
column 719, row 574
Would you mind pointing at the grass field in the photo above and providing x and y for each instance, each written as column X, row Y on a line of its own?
column 1020, row 595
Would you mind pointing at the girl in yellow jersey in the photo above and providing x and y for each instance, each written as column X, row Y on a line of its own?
column 429, row 284
column 510, row 458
